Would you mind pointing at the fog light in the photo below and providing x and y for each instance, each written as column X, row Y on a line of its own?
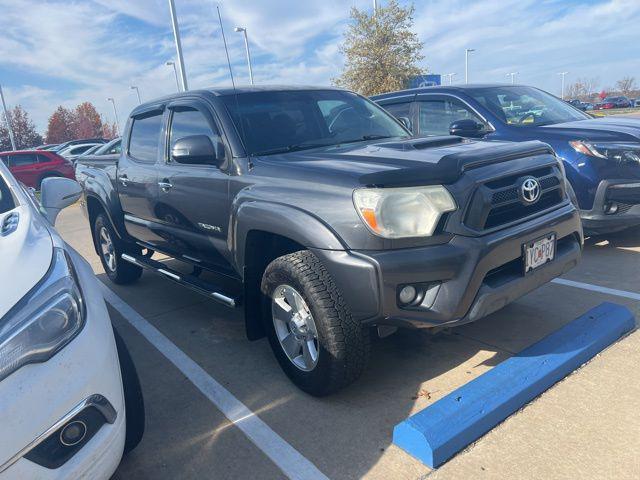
column 73, row 433
column 407, row 294
column 610, row 208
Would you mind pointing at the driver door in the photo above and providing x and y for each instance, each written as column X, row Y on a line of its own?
column 436, row 113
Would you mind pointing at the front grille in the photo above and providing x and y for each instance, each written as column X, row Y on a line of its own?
column 513, row 211
column 497, row 202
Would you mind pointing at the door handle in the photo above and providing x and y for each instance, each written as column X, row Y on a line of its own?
column 123, row 180
column 165, row 185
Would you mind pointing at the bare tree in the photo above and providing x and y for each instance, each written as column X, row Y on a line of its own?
column 626, row 85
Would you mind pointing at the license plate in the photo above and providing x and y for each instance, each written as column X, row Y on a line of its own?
column 539, row 252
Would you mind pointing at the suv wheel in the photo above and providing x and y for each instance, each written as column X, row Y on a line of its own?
column 110, row 248
column 318, row 344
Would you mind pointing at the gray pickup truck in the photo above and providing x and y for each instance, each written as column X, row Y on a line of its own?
column 322, row 216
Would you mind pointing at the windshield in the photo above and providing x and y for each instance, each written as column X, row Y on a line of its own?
column 526, row 106
column 285, row 121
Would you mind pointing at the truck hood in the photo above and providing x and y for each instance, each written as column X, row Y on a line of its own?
column 420, row 161
column 607, row 129
column 25, row 256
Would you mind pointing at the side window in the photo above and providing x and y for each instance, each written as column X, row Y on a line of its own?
column 187, row 121
column 435, row 116
column 23, row 159
column 43, row 159
column 115, row 148
column 5, row 159
column 144, row 138
column 399, row 110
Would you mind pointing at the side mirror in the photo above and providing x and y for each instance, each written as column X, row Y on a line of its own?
column 57, row 193
column 196, row 150
column 406, row 122
column 467, row 128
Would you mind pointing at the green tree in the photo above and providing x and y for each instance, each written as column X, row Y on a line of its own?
column 24, row 131
column 381, row 52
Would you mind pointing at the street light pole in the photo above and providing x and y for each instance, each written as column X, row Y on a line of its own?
column 176, row 37
column 562, row 74
column 512, row 75
column 467, row 51
column 115, row 113
column 175, row 72
column 137, row 93
column 7, row 118
column 246, row 46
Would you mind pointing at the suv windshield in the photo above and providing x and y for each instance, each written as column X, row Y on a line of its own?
column 286, row 121
column 526, row 106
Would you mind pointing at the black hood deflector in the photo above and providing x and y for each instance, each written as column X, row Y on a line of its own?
column 450, row 167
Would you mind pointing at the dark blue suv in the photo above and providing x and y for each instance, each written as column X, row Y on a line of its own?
column 601, row 155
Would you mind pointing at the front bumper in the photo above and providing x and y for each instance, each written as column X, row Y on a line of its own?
column 625, row 194
column 36, row 397
column 474, row 276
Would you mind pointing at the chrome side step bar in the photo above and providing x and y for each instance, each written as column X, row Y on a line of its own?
column 185, row 279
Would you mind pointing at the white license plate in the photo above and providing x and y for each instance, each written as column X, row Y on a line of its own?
column 539, row 252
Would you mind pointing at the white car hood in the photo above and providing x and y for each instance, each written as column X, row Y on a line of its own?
column 25, row 257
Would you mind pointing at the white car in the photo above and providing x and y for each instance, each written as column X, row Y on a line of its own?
column 74, row 151
column 62, row 370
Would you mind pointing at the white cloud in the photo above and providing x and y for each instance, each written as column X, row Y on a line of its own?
column 64, row 52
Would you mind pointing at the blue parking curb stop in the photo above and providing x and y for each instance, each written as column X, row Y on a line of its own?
column 438, row 432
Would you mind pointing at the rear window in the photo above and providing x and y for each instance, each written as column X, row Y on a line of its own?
column 145, row 136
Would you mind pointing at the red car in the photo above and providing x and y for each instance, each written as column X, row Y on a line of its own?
column 32, row 166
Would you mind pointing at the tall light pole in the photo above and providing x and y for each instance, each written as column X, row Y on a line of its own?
column 375, row 6
column 176, row 37
column 175, row 72
column 246, row 46
column 7, row 118
column 467, row 51
column 513, row 76
column 450, row 75
column 562, row 74
column 133, row 87
column 115, row 114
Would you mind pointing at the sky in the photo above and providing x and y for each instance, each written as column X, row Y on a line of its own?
column 62, row 52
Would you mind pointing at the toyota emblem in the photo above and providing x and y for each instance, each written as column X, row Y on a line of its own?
column 530, row 191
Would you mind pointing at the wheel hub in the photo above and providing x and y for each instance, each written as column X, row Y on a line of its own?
column 295, row 328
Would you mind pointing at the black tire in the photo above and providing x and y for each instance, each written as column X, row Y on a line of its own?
column 133, row 400
column 119, row 271
column 343, row 342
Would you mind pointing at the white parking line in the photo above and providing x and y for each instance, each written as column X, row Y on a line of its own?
column 292, row 463
column 597, row 288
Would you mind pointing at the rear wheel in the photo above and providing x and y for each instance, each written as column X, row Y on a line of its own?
column 110, row 248
column 315, row 339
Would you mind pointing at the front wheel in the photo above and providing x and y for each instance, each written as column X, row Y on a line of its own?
column 110, row 248
column 315, row 339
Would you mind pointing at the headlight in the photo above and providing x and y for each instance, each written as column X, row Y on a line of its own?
column 618, row 152
column 403, row 212
column 44, row 321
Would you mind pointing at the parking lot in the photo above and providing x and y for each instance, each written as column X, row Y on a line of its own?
column 198, row 371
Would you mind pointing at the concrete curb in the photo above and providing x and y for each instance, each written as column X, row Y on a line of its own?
column 438, row 432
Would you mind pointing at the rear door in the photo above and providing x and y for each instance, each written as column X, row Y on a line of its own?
column 24, row 167
column 137, row 175
column 193, row 200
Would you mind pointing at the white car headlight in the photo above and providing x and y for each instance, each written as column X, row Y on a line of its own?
column 44, row 320
column 403, row 212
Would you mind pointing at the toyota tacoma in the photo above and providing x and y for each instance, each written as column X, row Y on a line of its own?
column 319, row 213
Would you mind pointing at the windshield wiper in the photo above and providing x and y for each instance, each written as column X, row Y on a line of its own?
column 292, row 148
column 365, row 138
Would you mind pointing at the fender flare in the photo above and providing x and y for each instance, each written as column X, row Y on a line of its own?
column 293, row 223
